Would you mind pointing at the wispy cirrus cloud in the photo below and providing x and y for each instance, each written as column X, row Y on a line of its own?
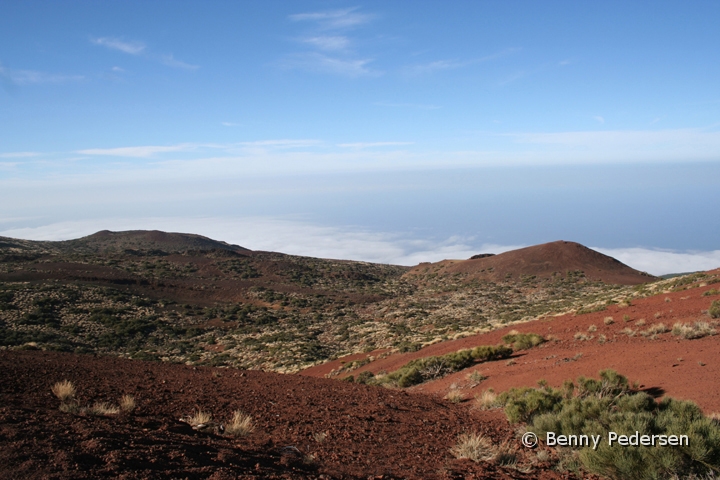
column 130, row 47
column 28, row 77
column 137, row 152
column 321, row 63
column 137, row 48
column 334, row 19
column 328, row 43
column 373, row 144
column 449, row 64
column 171, row 61
column 330, row 47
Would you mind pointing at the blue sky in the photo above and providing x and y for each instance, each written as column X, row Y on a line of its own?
column 386, row 131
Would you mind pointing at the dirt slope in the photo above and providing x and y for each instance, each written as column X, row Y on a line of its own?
column 584, row 344
column 369, row 432
column 544, row 261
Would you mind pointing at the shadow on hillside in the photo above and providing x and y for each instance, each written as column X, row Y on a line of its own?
column 655, row 392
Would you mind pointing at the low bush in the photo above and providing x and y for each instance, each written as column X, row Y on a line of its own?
column 691, row 331
column 523, row 341
column 595, row 407
column 714, row 310
column 429, row 368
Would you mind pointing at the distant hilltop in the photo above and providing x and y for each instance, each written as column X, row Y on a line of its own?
column 105, row 241
column 544, row 261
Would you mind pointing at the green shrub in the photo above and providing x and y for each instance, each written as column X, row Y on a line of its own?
column 523, row 341
column 596, row 407
column 429, row 368
column 485, row 353
column 364, row 377
column 522, row 404
column 714, row 309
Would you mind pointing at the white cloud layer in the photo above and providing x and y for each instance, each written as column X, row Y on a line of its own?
column 298, row 237
column 661, row 262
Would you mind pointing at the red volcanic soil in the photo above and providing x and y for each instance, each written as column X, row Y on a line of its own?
column 369, row 432
column 544, row 261
column 666, row 365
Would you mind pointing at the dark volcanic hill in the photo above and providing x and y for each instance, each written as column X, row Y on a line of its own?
column 150, row 240
column 131, row 241
column 544, row 261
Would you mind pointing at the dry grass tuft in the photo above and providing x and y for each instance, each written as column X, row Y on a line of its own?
column 199, row 418
column 102, row 409
column 319, row 436
column 64, row 390
column 654, row 330
column 455, row 396
column 692, row 331
column 628, row 331
column 640, row 322
column 127, row 403
column 242, row 425
column 608, row 321
column 592, row 328
column 475, row 447
column 475, row 378
column 486, row 400
column 542, row 455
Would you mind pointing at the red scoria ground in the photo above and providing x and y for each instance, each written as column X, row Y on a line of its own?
column 370, row 432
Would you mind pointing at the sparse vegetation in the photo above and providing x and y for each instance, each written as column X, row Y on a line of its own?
column 455, row 396
column 692, row 331
column 430, row 368
column 486, row 400
column 714, row 310
column 608, row 321
column 523, row 341
column 199, row 418
column 240, row 425
column 475, row 447
column 102, row 409
column 475, row 378
column 127, row 403
column 64, row 391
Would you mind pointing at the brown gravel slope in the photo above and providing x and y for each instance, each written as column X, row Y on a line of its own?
column 369, row 432
column 544, row 261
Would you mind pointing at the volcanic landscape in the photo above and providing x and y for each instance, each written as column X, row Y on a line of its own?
column 343, row 369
